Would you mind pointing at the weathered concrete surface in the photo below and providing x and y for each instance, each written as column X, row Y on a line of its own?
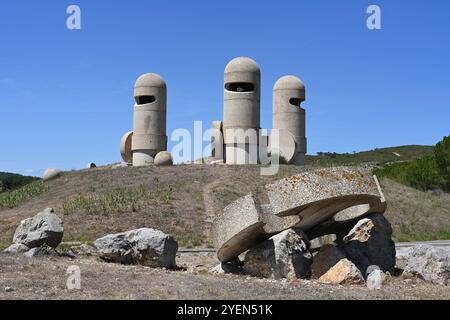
column 149, row 124
column 305, row 202
column 284, row 255
column 163, row 158
column 125, row 147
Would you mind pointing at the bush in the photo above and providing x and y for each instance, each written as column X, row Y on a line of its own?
column 442, row 155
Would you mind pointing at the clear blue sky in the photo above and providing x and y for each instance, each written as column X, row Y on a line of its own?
column 66, row 96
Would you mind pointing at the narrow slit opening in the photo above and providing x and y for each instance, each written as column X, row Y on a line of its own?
column 145, row 99
column 240, row 87
column 295, row 102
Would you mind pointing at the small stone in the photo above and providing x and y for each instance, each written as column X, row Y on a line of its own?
column 234, row 266
column 9, row 289
column 344, row 272
column 50, row 174
column 91, row 165
column 375, row 279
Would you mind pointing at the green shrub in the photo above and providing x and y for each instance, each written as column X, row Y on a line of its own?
column 11, row 199
column 442, row 155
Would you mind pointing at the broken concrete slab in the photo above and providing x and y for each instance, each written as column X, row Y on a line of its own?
column 305, row 202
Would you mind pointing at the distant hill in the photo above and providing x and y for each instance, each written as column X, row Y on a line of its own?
column 378, row 156
column 12, row 181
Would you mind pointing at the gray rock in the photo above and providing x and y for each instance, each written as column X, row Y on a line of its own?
column 46, row 228
column 91, row 165
column 163, row 158
column 50, row 174
column 148, row 247
column 327, row 257
column 429, row 263
column 370, row 243
column 375, row 279
column 16, row 248
column 43, row 251
column 284, row 255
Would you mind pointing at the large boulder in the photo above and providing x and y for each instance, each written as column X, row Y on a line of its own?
column 327, row 257
column 284, row 255
column 45, row 228
column 369, row 242
column 343, row 272
column 50, row 174
column 428, row 262
column 148, row 247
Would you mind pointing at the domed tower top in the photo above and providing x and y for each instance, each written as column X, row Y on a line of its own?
column 291, row 83
column 242, row 64
column 149, row 87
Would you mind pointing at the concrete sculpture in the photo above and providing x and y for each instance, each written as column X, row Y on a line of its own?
column 316, row 202
column 241, row 111
column 148, row 137
column 242, row 142
column 289, row 118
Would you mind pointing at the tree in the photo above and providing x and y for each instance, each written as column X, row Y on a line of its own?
column 442, row 155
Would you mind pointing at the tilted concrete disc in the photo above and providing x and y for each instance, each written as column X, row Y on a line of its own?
column 308, row 201
column 286, row 146
column 125, row 147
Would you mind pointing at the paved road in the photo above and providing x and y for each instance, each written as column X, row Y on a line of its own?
column 398, row 245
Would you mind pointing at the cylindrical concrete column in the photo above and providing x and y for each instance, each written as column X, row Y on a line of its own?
column 149, row 133
column 241, row 111
column 288, row 94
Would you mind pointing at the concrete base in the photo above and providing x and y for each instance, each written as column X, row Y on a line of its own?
column 299, row 159
column 143, row 158
column 241, row 153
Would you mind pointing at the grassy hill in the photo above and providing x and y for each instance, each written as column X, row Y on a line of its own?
column 11, row 181
column 377, row 156
column 183, row 200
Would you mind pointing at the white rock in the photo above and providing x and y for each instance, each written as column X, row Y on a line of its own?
column 163, row 158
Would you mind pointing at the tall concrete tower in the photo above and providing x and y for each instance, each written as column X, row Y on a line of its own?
column 149, row 132
column 289, row 117
column 241, row 111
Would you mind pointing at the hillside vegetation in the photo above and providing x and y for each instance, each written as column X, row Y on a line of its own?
column 429, row 172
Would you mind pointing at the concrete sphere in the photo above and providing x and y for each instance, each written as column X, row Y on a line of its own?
column 163, row 158
column 50, row 174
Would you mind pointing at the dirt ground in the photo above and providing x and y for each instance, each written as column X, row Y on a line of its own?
column 45, row 278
